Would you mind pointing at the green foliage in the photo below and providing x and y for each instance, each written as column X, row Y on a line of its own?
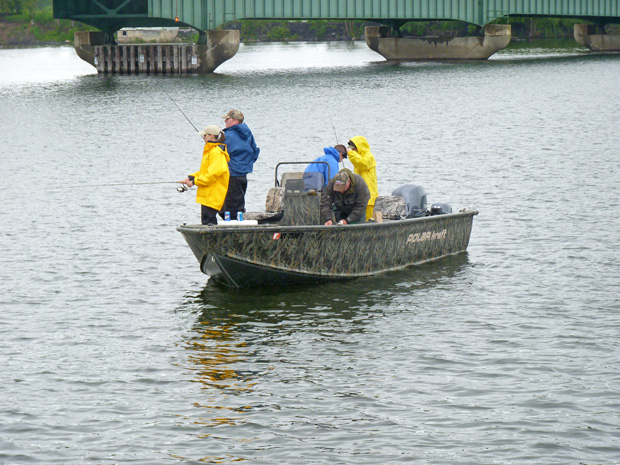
column 550, row 28
column 63, row 31
column 25, row 9
column 472, row 29
column 278, row 33
column 43, row 16
column 263, row 29
column 414, row 28
column 41, row 24
column 439, row 29
column 357, row 28
column 10, row 7
column 448, row 26
column 319, row 28
column 253, row 30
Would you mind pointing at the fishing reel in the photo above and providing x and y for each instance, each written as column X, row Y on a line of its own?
column 182, row 188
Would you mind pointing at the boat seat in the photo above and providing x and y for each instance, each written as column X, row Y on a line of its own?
column 290, row 175
column 298, row 182
column 300, row 205
column 293, row 186
column 392, row 207
column 273, row 203
column 313, row 181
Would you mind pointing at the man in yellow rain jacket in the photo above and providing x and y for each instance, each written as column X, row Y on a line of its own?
column 212, row 178
column 364, row 164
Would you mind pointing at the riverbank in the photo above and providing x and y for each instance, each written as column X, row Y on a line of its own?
column 33, row 32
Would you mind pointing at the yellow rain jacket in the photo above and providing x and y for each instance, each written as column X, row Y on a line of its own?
column 212, row 179
column 364, row 164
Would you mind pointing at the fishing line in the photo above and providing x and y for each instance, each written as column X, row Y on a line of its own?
column 181, row 110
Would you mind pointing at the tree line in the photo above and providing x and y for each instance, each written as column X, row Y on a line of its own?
column 20, row 7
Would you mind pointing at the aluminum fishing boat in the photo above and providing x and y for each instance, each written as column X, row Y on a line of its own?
column 287, row 243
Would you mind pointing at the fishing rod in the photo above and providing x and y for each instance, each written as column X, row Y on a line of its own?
column 182, row 188
column 181, row 110
column 334, row 128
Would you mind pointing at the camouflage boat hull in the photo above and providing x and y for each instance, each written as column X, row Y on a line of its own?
column 256, row 255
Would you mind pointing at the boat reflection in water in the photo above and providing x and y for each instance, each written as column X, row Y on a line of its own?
column 218, row 303
column 243, row 346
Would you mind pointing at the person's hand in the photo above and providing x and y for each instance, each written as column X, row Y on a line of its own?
column 329, row 223
column 342, row 222
column 187, row 182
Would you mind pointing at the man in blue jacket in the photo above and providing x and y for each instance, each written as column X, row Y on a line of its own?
column 243, row 153
column 333, row 156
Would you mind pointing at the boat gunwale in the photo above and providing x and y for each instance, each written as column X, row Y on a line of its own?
column 224, row 228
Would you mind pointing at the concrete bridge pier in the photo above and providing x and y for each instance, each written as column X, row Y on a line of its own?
column 586, row 35
column 213, row 49
column 391, row 47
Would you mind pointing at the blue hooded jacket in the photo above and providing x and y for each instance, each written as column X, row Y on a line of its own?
column 332, row 157
column 241, row 148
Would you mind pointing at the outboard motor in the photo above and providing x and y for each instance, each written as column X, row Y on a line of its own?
column 415, row 199
column 440, row 209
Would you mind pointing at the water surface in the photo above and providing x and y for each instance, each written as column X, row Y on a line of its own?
column 114, row 348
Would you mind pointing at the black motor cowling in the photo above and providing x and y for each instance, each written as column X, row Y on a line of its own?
column 440, row 209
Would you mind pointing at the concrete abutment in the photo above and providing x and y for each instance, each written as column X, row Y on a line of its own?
column 381, row 40
column 590, row 37
column 215, row 48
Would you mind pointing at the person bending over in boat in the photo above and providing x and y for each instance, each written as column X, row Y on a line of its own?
column 344, row 199
column 364, row 163
column 243, row 154
column 333, row 156
column 212, row 178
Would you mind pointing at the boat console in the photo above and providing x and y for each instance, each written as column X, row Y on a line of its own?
column 295, row 200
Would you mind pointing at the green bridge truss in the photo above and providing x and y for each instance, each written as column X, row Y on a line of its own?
column 203, row 15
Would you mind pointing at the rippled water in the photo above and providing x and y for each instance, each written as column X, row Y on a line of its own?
column 114, row 348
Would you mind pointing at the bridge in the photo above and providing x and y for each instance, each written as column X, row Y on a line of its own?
column 207, row 17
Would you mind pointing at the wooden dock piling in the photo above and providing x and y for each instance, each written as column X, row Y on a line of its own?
column 150, row 59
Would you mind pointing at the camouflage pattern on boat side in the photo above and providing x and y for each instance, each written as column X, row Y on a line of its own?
column 335, row 251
